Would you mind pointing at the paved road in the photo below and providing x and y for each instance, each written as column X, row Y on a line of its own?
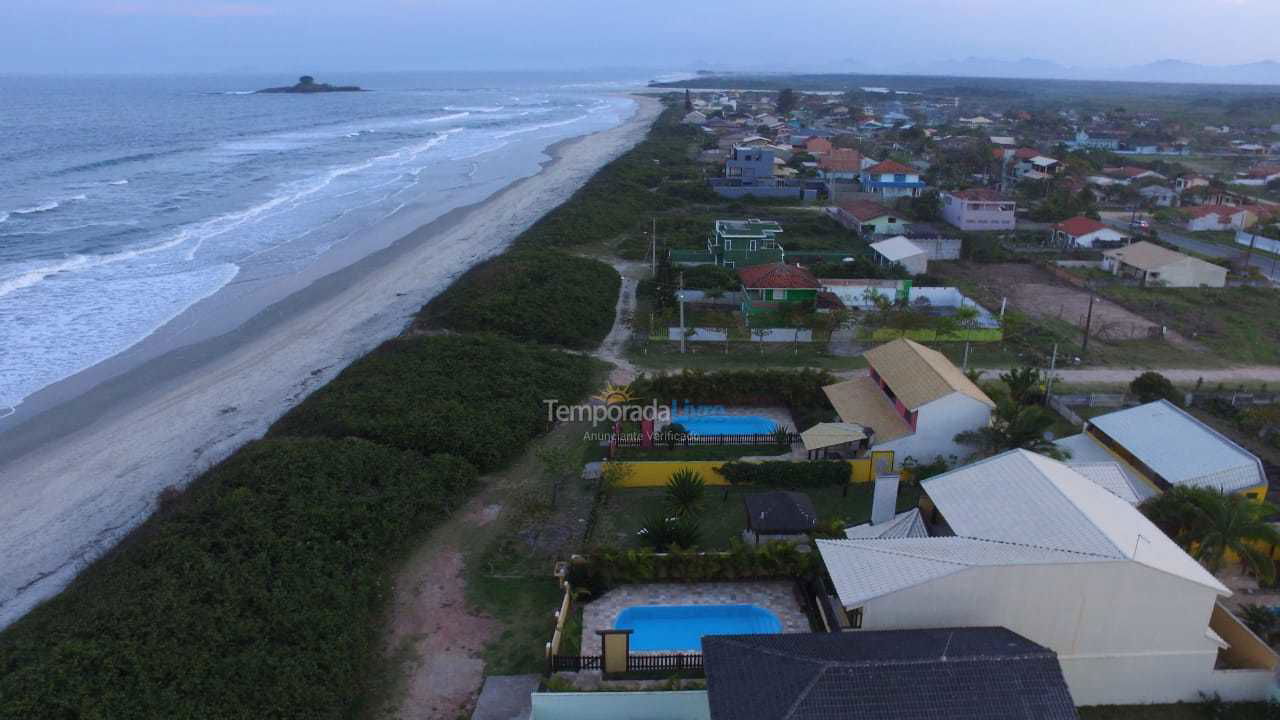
column 1174, row 236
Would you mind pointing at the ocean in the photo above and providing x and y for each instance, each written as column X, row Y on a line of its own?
column 124, row 201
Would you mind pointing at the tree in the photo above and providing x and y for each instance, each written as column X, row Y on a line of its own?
column 662, row 533
column 306, row 80
column 927, row 207
column 558, row 465
column 1012, row 427
column 786, row 101
column 1208, row 524
column 1151, row 386
column 685, row 492
column 688, row 101
column 1023, row 384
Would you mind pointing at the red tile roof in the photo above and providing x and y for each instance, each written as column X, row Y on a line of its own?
column 889, row 166
column 1224, row 212
column 981, row 194
column 1026, row 153
column 1265, row 170
column 777, row 275
column 817, row 144
column 1079, row 225
column 865, row 209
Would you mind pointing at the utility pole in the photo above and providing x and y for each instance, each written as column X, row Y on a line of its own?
column 653, row 241
column 1048, row 383
column 1088, row 323
column 965, row 366
column 680, row 296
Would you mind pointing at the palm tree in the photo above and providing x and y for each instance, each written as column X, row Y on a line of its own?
column 1013, row 427
column 1023, row 383
column 685, row 492
column 1235, row 523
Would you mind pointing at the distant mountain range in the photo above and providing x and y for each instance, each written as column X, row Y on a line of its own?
column 1266, row 72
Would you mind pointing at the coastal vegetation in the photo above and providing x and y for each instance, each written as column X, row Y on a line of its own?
column 542, row 296
column 480, row 398
column 255, row 593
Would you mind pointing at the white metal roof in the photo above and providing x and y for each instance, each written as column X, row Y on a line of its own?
column 1015, row 508
column 1086, row 450
column 897, row 248
column 1180, row 448
column 904, row 524
column 1110, row 477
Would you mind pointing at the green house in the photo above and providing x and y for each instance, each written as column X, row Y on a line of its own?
column 768, row 288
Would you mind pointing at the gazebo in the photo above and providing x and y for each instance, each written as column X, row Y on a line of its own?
column 828, row 439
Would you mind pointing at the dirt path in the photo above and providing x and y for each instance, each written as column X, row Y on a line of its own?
column 439, row 639
column 614, row 346
column 1181, row 376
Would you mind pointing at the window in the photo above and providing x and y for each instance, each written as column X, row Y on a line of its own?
column 855, row 618
column 899, row 177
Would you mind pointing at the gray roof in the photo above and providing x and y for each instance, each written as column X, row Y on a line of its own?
column 984, row 673
column 1017, row 508
column 1181, row 449
column 904, row 524
column 1112, row 478
column 780, row 512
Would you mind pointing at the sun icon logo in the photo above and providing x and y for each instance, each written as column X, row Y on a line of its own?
column 615, row 395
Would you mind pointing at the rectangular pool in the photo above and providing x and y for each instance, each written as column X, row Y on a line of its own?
column 679, row 628
column 726, row 424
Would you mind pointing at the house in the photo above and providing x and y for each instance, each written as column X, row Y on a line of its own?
column 898, row 250
column 1095, row 141
column 1259, row 175
column 1029, row 543
column 770, row 287
column 818, row 146
column 1086, row 232
column 778, row 516
column 742, row 243
column 891, row 179
column 976, row 121
column 978, row 209
column 695, row 117
column 938, row 244
column 1187, row 182
column 1151, row 264
column 749, row 171
column 913, row 401
column 1159, row 196
column 867, row 217
column 840, row 164
column 1130, row 174
column 987, row 673
column 1219, row 217
column 1037, row 167
column 1159, row 445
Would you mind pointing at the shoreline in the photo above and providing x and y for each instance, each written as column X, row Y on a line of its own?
column 76, row 477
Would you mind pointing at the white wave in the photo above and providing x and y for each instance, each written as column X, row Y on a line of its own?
column 442, row 118
column 35, row 275
column 535, row 128
column 118, row 182
column 238, row 92
column 4, row 216
column 45, row 206
column 477, row 108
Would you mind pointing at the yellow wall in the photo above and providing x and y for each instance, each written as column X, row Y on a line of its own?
column 657, row 473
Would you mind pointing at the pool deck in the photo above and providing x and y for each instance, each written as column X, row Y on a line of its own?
column 776, row 597
column 778, row 415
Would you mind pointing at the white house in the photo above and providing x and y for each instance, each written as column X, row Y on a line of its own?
column 900, row 250
column 978, row 209
column 913, row 401
column 1028, row 543
column 1219, row 217
column 1159, row 445
column 1086, row 232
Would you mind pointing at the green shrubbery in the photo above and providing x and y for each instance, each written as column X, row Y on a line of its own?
column 799, row 390
column 541, row 296
column 606, row 568
column 255, row 594
column 480, row 398
column 787, row 475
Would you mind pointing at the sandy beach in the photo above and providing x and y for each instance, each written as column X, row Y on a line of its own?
column 82, row 474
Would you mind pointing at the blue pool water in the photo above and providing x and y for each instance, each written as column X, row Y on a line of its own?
column 679, row 628
column 726, row 424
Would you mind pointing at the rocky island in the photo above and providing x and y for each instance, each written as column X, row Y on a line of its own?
column 307, row 84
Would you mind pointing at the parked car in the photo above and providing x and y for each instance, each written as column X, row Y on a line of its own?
column 1140, row 224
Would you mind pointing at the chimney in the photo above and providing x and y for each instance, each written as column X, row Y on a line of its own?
column 884, row 502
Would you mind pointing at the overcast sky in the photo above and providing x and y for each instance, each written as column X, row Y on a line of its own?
column 285, row 35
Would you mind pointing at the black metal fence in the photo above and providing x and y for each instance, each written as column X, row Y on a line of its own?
column 631, row 440
column 691, row 662
column 574, row 663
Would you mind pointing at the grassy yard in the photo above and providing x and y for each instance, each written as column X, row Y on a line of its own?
column 711, row 356
column 723, row 519
column 1239, row 324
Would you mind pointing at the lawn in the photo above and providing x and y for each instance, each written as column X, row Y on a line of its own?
column 1239, row 324
column 711, row 356
column 722, row 519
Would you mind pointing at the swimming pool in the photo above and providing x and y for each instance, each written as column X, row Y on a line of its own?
column 679, row 628
column 726, row 424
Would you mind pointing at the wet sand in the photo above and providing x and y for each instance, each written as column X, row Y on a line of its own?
column 85, row 470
